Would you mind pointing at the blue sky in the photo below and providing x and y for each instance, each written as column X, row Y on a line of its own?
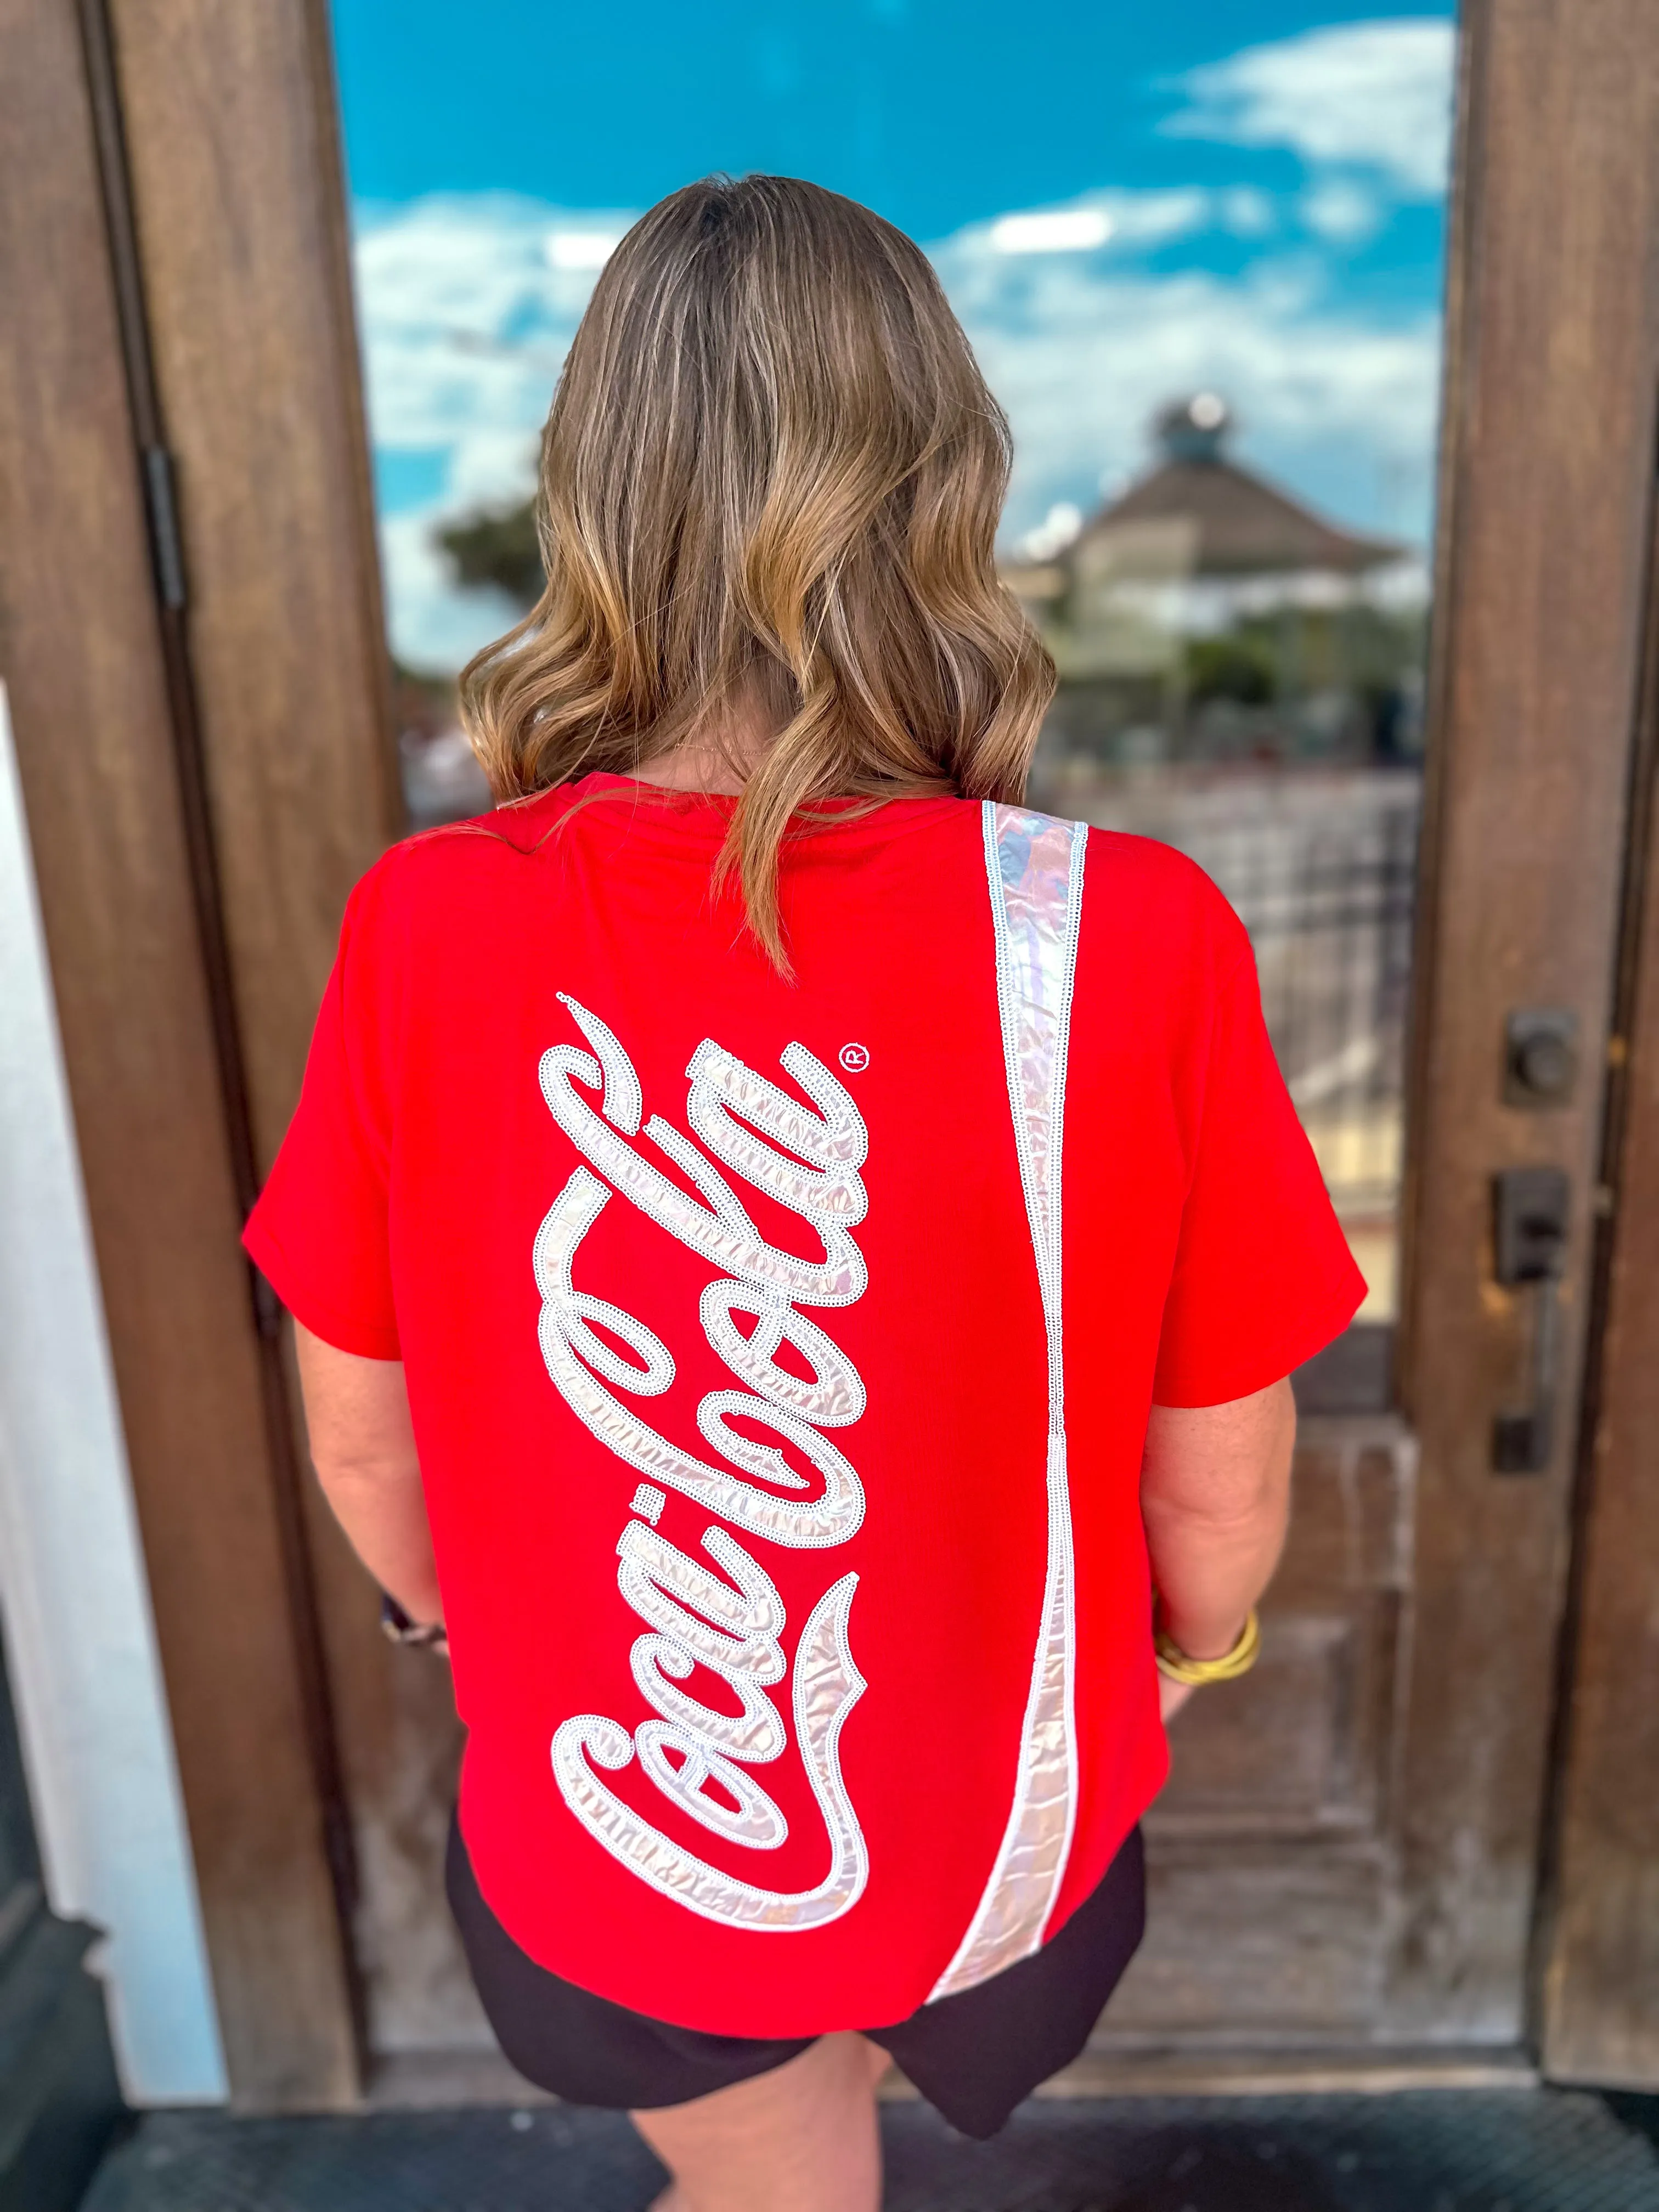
column 1252, row 192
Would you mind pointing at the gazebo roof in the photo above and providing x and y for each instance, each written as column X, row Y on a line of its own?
column 1243, row 525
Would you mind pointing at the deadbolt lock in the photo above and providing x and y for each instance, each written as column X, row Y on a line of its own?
column 1540, row 1057
column 1529, row 1246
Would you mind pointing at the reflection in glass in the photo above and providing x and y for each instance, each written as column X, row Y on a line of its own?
column 1204, row 284
column 1243, row 678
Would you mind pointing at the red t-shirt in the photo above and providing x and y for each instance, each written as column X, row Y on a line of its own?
column 779, row 1354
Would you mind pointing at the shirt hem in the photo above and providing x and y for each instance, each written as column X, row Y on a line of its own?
column 345, row 1332
column 1288, row 1352
column 834, row 2018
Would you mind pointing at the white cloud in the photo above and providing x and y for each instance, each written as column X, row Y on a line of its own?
column 466, row 316
column 580, row 249
column 1367, row 95
column 1067, row 230
column 1123, row 223
column 1340, row 404
column 1342, row 209
column 1054, row 534
column 1246, row 212
column 467, row 304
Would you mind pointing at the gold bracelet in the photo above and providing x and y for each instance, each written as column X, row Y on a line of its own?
column 1173, row 1661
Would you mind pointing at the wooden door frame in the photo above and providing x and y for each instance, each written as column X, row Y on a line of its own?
column 205, row 779
column 1599, row 1926
column 188, row 512
column 1547, row 440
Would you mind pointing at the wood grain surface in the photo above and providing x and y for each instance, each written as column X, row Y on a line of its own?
column 228, row 113
column 1600, row 1998
column 81, row 651
column 1548, row 436
column 230, row 119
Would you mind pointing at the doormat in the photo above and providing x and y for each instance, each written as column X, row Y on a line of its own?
column 1520, row 2150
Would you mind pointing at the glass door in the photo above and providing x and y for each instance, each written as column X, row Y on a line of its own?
column 1201, row 255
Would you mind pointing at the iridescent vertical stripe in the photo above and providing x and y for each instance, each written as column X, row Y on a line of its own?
column 1034, row 869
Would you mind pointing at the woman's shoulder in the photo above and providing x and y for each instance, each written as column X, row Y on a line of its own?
column 1157, row 889
column 429, row 864
column 1151, row 908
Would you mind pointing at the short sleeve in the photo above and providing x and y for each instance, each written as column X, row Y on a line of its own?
column 1263, row 1277
column 318, row 1233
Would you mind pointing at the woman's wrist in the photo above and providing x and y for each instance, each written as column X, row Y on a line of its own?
column 1178, row 1665
column 400, row 1626
column 1201, row 1635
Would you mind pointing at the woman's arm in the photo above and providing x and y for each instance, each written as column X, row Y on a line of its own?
column 1215, row 1494
column 363, row 1447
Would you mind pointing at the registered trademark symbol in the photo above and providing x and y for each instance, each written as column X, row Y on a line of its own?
column 854, row 1059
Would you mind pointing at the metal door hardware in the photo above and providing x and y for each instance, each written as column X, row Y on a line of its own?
column 166, row 545
column 1540, row 1057
column 1530, row 1240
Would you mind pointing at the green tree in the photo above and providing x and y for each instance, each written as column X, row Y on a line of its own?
column 498, row 546
column 1234, row 665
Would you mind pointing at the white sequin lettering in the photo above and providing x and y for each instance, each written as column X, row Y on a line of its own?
column 807, row 1159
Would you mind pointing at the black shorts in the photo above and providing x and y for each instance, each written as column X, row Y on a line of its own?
column 974, row 2056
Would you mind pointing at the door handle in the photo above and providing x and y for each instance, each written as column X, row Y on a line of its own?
column 1530, row 1223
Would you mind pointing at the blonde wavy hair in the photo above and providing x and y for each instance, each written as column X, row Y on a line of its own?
column 770, row 483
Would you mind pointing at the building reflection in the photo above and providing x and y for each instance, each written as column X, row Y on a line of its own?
column 1206, row 616
column 1243, row 678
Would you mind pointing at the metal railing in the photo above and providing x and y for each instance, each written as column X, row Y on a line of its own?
column 1320, row 866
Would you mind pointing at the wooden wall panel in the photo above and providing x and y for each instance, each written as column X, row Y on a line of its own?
column 1600, row 2008
column 1549, row 419
column 80, row 651
column 1273, row 1881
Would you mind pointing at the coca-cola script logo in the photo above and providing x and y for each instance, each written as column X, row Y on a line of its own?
column 806, row 1157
